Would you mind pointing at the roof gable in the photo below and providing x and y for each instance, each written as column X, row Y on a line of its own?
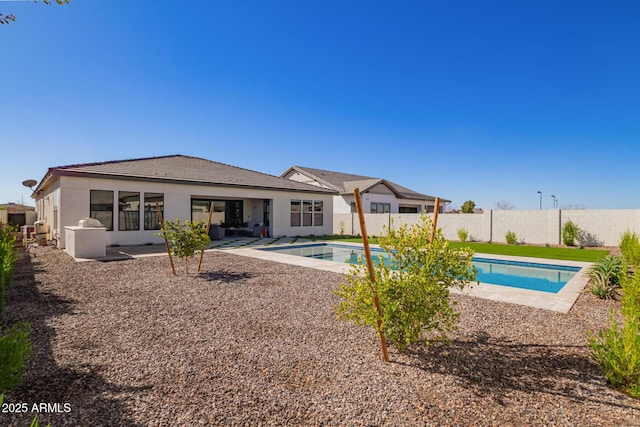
column 346, row 183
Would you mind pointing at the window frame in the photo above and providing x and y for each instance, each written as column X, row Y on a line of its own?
column 385, row 207
column 307, row 213
column 123, row 223
column 109, row 227
column 296, row 214
column 149, row 202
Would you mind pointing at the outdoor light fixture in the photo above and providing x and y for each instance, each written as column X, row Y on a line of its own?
column 540, row 193
column 554, row 200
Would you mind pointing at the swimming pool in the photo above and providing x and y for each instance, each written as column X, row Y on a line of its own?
column 524, row 275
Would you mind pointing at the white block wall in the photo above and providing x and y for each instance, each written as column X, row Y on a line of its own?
column 602, row 227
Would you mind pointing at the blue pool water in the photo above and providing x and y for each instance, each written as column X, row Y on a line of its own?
column 524, row 275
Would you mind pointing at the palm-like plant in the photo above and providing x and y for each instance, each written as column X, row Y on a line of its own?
column 606, row 275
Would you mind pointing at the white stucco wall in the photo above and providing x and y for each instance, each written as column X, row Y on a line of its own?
column 342, row 204
column 45, row 207
column 74, row 205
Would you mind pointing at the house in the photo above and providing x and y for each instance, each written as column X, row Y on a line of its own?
column 378, row 195
column 122, row 195
column 17, row 214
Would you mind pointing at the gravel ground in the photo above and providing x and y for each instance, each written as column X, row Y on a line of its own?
column 252, row 342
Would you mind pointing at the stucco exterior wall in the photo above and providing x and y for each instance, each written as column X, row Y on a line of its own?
column 342, row 203
column 74, row 193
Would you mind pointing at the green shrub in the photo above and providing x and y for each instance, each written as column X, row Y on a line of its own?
column 511, row 237
column 570, row 232
column 463, row 234
column 630, row 248
column 15, row 350
column 617, row 348
column 185, row 238
column 606, row 276
column 7, row 259
column 412, row 286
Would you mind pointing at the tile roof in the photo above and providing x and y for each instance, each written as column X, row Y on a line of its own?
column 183, row 169
column 346, row 182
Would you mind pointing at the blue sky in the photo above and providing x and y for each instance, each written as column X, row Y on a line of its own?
column 486, row 101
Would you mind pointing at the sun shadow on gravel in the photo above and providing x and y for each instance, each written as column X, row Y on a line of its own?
column 496, row 368
column 89, row 395
column 225, row 276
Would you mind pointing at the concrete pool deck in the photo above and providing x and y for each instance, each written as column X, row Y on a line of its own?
column 561, row 301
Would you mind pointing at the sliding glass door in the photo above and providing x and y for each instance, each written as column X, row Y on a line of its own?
column 227, row 213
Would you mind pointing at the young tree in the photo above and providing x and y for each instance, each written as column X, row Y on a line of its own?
column 185, row 238
column 570, row 232
column 468, row 206
column 412, row 284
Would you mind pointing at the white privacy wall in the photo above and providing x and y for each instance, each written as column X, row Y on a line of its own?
column 598, row 227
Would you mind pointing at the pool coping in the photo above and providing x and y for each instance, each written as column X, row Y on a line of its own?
column 560, row 302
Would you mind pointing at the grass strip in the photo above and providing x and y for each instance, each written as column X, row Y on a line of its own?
column 569, row 254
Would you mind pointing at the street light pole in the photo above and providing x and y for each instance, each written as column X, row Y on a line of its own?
column 554, row 200
column 540, row 193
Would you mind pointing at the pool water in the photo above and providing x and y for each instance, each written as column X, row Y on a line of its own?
column 524, row 275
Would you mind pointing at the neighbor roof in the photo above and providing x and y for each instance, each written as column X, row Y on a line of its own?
column 181, row 169
column 16, row 208
column 345, row 183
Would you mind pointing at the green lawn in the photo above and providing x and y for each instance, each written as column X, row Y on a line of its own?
column 572, row 254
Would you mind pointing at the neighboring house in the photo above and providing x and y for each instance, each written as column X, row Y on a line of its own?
column 378, row 195
column 123, row 194
column 17, row 214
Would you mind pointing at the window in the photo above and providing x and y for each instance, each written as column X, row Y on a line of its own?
column 151, row 218
column 306, row 213
column 128, row 211
column 408, row 209
column 266, row 212
column 55, row 209
column 200, row 210
column 101, row 207
column 380, row 207
column 295, row 213
column 317, row 212
column 354, row 208
column 227, row 213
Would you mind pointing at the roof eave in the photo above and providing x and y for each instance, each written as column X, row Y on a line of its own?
column 76, row 174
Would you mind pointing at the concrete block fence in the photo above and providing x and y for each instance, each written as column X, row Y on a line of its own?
column 599, row 227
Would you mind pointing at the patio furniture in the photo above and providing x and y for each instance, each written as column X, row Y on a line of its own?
column 256, row 230
column 216, row 232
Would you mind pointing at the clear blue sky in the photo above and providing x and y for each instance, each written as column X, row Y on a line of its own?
column 488, row 101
